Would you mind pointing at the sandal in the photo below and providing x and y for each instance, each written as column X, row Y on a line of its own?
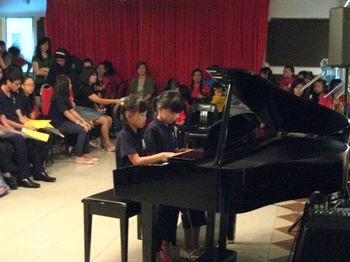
column 84, row 161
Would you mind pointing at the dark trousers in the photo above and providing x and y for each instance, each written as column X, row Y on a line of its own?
column 167, row 225
column 168, row 217
column 70, row 128
column 20, row 155
column 37, row 154
column 6, row 153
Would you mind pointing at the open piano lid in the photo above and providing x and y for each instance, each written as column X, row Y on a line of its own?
column 280, row 110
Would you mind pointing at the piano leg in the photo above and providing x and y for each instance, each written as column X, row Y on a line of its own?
column 231, row 228
column 149, row 222
column 210, row 235
column 223, row 232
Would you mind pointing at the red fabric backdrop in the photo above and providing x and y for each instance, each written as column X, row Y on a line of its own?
column 173, row 36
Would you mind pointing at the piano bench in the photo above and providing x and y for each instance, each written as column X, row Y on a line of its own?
column 107, row 204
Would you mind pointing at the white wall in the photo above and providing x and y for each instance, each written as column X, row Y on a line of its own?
column 301, row 9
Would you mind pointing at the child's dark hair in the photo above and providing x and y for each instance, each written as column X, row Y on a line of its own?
column 61, row 88
column 86, row 73
column 14, row 50
column 88, row 60
column 185, row 93
column 296, row 82
column 12, row 74
column 42, row 41
column 266, row 71
column 170, row 100
column 131, row 103
column 290, row 67
column 334, row 83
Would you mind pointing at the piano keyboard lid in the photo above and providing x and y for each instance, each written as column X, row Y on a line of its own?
column 279, row 109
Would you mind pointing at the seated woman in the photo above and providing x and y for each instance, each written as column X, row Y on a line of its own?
column 199, row 91
column 142, row 85
column 68, row 121
column 87, row 105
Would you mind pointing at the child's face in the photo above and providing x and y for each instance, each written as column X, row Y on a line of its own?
column 287, row 73
column 101, row 70
column 28, row 86
column 218, row 92
column 167, row 116
column 137, row 119
column 14, row 86
column 93, row 79
column 297, row 90
column 318, row 88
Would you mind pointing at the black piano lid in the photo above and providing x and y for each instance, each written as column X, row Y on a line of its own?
column 279, row 109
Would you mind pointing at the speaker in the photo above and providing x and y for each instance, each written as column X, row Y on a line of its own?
column 339, row 37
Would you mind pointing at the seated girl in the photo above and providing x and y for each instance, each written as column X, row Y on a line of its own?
column 87, row 102
column 68, row 121
column 159, row 137
column 26, row 99
column 131, row 148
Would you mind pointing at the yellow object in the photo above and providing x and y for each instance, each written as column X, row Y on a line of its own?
column 38, row 123
column 219, row 101
column 35, row 135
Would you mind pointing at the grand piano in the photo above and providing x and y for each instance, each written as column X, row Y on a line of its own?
column 303, row 149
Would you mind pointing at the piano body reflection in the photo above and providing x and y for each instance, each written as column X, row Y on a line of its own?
column 237, row 171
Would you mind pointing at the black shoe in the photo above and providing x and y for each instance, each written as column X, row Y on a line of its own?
column 45, row 177
column 11, row 182
column 27, row 182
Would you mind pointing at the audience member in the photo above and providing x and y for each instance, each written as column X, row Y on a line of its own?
column 266, row 72
column 288, row 78
column 87, row 62
column 171, row 84
column 219, row 97
column 26, row 99
column 17, row 59
column 42, row 62
column 143, row 86
column 306, row 75
column 68, row 121
column 65, row 64
column 86, row 101
column 297, row 86
column 5, row 59
column 199, row 91
column 11, row 82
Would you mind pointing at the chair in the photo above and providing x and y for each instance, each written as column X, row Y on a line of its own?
column 106, row 204
column 202, row 116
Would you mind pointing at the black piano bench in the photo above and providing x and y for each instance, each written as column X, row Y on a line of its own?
column 107, row 204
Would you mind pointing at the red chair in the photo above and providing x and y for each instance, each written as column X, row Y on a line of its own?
column 46, row 93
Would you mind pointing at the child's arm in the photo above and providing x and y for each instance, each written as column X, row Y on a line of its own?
column 138, row 160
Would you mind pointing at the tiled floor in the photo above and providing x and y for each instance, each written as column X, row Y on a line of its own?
column 46, row 224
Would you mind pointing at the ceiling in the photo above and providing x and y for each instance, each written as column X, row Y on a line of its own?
column 15, row 8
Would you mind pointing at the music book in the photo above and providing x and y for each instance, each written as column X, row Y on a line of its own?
column 35, row 135
column 44, row 124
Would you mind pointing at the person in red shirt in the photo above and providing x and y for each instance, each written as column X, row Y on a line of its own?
column 319, row 90
column 288, row 77
column 199, row 91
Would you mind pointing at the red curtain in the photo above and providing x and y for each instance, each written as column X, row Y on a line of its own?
column 173, row 36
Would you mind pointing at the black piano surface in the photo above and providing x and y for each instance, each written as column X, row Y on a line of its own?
column 237, row 171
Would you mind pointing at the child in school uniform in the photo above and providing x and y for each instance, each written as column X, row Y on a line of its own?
column 160, row 136
column 130, row 146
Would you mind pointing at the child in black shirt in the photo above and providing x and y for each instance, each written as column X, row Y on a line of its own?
column 160, row 136
column 130, row 146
